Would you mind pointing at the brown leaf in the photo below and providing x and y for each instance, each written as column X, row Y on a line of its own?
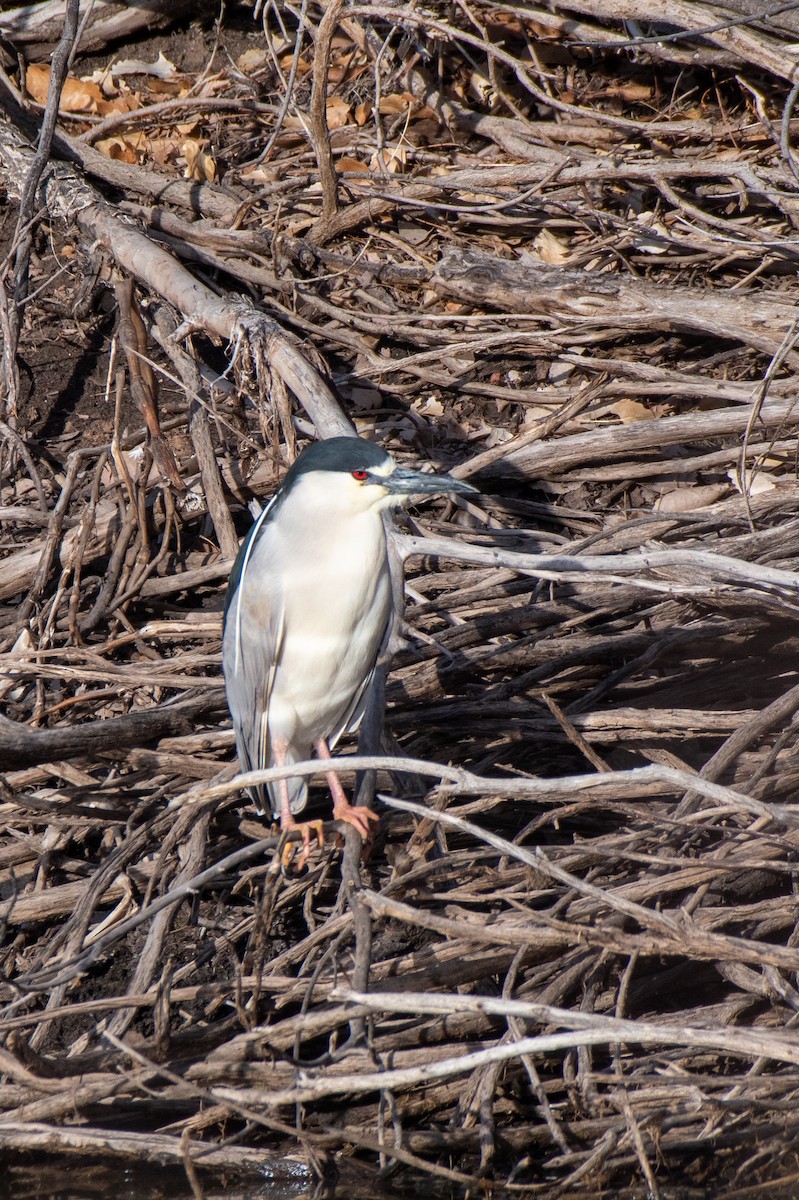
column 550, row 249
column 392, row 158
column 629, row 411
column 121, row 149
column 129, row 102
column 345, row 163
column 168, row 87
column 263, row 172
column 396, row 102
column 252, row 59
column 686, row 499
column 199, row 165
column 163, row 150
column 363, row 112
column 338, row 112
column 77, row 95
column 628, row 91
column 287, row 61
column 37, row 81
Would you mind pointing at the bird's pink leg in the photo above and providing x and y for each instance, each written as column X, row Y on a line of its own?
column 358, row 815
column 287, row 822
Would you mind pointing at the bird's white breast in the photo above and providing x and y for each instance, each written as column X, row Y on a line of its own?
column 329, row 580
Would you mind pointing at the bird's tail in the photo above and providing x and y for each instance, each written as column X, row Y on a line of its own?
column 253, row 754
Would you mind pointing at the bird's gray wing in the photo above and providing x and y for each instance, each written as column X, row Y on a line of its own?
column 251, row 647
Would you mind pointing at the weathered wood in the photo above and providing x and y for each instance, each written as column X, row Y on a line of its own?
column 555, row 251
column 610, row 302
column 38, row 27
column 144, row 1147
column 24, row 747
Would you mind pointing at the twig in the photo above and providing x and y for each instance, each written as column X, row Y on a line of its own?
column 318, row 111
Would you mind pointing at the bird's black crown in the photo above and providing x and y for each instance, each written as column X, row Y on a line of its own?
column 336, row 454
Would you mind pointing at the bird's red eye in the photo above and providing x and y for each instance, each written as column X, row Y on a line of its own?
column 360, row 475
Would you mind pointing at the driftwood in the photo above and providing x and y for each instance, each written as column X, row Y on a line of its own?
column 553, row 251
column 39, row 27
column 591, row 299
column 23, row 747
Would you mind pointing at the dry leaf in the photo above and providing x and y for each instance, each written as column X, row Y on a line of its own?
column 163, row 151
column 365, row 397
column 429, row 407
column 497, row 436
column 550, row 249
column 263, row 172
column 395, row 103
column 755, row 482
column 287, row 62
column 648, row 245
column 21, row 648
column 213, row 86
column 629, row 411
column 37, row 81
column 122, row 149
column 82, row 96
column 346, row 163
column 560, row 371
column 162, row 68
column 628, row 91
column 481, row 88
column 130, row 102
column 199, row 164
column 659, row 242
column 363, row 112
column 533, row 413
column 353, row 166
column 413, row 234
column 337, row 112
column 97, row 94
column 391, row 159
column 105, row 81
column 169, row 87
column 77, row 96
column 686, row 499
column 252, row 59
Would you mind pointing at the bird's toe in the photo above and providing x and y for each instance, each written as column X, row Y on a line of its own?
column 289, row 860
column 357, row 815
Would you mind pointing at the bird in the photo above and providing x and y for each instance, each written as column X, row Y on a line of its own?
column 308, row 606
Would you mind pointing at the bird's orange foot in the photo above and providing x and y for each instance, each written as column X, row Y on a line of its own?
column 289, row 849
column 357, row 815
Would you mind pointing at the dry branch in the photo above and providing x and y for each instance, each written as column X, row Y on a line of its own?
column 591, row 300
column 550, row 249
column 31, row 1136
column 39, row 26
column 23, row 747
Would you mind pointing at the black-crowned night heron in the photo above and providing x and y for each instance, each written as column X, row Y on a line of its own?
column 308, row 606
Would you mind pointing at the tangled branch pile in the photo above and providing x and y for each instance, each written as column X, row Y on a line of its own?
column 552, row 249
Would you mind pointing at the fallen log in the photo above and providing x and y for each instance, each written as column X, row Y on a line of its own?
column 21, row 746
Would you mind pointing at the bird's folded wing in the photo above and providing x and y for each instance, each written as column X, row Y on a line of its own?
column 253, row 637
